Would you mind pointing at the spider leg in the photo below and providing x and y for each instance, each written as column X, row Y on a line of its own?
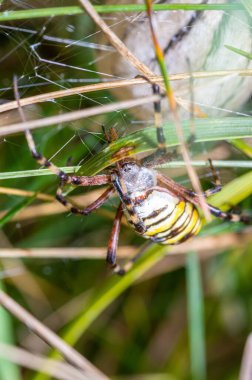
column 113, row 241
column 92, row 207
column 158, row 120
column 216, row 180
column 232, row 217
column 191, row 196
column 184, row 192
column 64, row 177
column 160, row 155
column 157, row 116
column 131, row 262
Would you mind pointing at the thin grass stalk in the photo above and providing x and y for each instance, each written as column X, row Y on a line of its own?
column 8, row 370
column 173, row 107
column 74, row 115
column 57, row 369
column 75, row 10
column 118, row 84
column 50, row 337
column 196, row 325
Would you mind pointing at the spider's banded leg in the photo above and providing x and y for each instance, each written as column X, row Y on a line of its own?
column 64, row 177
column 158, row 121
column 216, row 181
column 191, row 196
column 157, row 115
column 131, row 262
column 232, row 217
column 160, row 155
column 113, row 241
column 186, row 193
column 87, row 210
column 29, row 138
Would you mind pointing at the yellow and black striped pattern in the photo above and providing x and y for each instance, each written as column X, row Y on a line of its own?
column 165, row 218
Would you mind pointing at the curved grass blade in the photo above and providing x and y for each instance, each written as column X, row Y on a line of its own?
column 239, row 51
column 244, row 164
column 144, row 140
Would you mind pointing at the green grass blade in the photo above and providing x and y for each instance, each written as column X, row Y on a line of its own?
column 205, row 163
column 173, row 164
column 8, row 370
column 195, row 317
column 239, row 51
column 144, row 140
column 35, row 173
column 9, row 15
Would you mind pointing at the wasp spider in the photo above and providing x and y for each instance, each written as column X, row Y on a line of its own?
column 155, row 206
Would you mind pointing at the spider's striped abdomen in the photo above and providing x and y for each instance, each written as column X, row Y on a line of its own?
column 165, row 218
column 154, row 212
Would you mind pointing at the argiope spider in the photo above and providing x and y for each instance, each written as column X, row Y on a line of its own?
column 155, row 206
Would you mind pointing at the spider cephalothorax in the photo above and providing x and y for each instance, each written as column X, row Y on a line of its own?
column 130, row 177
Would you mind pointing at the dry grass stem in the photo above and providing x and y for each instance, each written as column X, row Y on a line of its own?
column 115, row 41
column 209, row 243
column 57, row 319
column 57, row 369
column 75, row 115
column 174, row 111
column 206, row 247
column 26, row 193
column 68, row 352
column 69, row 253
column 246, row 366
column 203, row 245
column 54, row 207
column 116, row 84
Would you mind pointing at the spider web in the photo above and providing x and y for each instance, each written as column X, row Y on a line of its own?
column 53, row 54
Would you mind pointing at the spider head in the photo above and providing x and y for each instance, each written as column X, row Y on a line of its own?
column 134, row 177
